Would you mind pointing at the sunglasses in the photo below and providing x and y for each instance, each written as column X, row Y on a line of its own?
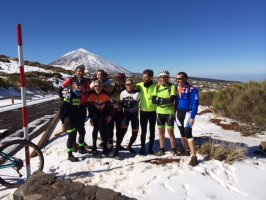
column 128, row 84
column 178, row 79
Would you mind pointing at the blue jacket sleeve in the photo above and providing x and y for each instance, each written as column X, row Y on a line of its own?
column 194, row 97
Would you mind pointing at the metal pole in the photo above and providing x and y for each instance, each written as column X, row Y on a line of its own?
column 23, row 97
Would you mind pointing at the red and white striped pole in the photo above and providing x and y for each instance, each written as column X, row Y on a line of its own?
column 23, row 97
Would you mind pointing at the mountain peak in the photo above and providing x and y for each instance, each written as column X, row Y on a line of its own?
column 91, row 61
column 82, row 50
column 78, row 51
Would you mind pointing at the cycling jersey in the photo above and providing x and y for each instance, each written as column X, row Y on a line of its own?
column 130, row 101
column 115, row 96
column 83, row 84
column 99, row 105
column 187, row 99
column 163, row 97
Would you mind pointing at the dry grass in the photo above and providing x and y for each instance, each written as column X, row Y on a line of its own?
column 223, row 151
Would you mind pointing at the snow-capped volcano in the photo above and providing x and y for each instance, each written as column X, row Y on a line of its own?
column 91, row 61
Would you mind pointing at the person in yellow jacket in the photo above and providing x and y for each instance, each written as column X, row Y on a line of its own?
column 164, row 97
column 147, row 110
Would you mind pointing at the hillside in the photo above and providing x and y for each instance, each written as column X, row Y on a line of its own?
column 42, row 74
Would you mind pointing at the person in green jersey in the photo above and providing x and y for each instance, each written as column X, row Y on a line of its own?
column 147, row 110
column 164, row 97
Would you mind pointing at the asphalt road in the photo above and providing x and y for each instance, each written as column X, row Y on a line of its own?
column 12, row 119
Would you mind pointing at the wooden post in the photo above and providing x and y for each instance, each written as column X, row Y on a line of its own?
column 12, row 100
column 48, row 132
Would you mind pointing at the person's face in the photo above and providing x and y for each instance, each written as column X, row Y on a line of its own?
column 129, row 85
column 180, row 79
column 99, row 76
column 146, row 78
column 97, row 88
column 79, row 73
column 164, row 79
column 119, row 82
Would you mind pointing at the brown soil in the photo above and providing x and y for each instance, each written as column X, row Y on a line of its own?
column 232, row 126
column 204, row 111
column 161, row 161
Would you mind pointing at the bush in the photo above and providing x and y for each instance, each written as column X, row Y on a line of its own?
column 245, row 103
column 6, row 60
column 206, row 98
column 2, row 82
column 223, row 151
column 39, row 84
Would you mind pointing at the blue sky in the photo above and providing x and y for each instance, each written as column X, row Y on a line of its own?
column 206, row 38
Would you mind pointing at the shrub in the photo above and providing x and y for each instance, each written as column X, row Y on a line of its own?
column 2, row 82
column 206, row 98
column 223, row 151
column 39, row 84
column 6, row 60
column 13, row 79
column 245, row 103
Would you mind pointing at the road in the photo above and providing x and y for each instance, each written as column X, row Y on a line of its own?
column 12, row 119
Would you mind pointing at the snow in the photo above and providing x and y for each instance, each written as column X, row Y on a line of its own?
column 177, row 180
column 6, row 103
column 91, row 61
column 12, row 67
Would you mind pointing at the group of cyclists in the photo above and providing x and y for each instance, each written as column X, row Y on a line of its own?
column 116, row 104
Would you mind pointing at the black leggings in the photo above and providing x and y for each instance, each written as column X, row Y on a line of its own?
column 72, row 127
column 115, row 122
column 102, row 127
column 146, row 117
column 121, row 136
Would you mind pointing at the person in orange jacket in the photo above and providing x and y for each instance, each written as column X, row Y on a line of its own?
column 100, row 114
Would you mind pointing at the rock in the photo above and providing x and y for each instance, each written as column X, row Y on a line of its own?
column 41, row 186
column 262, row 146
column 106, row 194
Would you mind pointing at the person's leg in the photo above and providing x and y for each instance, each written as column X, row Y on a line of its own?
column 180, row 121
column 104, row 135
column 161, row 129
column 143, row 125
column 170, row 130
column 71, row 132
column 118, row 121
column 190, row 140
column 191, row 143
column 94, row 136
column 81, row 131
column 192, row 146
column 122, row 132
column 111, row 130
column 152, row 121
column 135, row 129
column 71, row 135
column 193, row 161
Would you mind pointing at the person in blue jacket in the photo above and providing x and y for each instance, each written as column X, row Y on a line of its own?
column 187, row 103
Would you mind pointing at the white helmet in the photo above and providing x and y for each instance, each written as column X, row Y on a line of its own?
column 164, row 73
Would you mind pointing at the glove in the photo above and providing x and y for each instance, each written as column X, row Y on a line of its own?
column 159, row 101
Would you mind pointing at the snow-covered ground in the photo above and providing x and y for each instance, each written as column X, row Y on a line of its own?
column 136, row 178
column 7, row 104
column 12, row 67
